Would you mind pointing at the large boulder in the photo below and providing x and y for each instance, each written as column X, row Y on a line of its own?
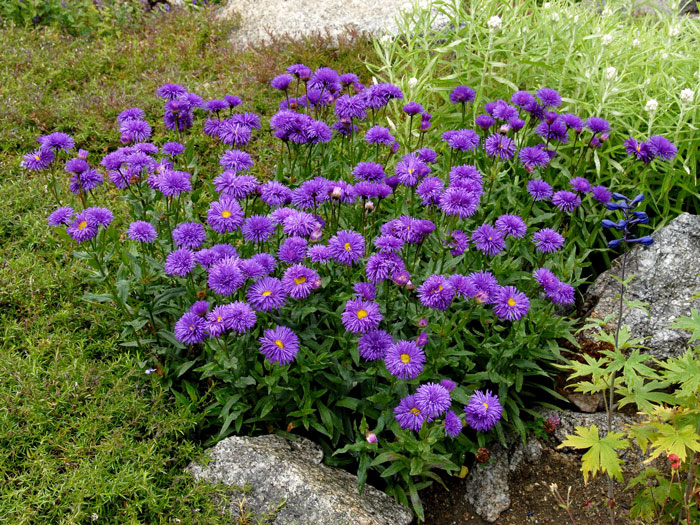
column 287, row 479
column 666, row 277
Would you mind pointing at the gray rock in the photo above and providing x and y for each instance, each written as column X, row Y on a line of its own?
column 530, row 452
column 666, row 276
column 288, row 480
column 261, row 19
column 487, row 486
column 586, row 402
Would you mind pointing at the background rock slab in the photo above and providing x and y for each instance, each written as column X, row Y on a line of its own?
column 280, row 470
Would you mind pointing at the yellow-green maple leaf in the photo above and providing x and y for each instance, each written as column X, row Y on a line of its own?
column 673, row 440
column 601, row 455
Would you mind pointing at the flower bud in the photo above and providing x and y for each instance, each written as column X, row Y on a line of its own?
column 371, row 438
column 337, row 192
column 504, row 129
column 316, row 284
column 410, row 285
column 614, row 243
column 422, row 322
column 315, row 235
column 639, row 198
column 619, row 197
column 82, row 154
column 422, row 339
column 125, row 138
column 483, row 455
column 369, row 206
column 607, row 223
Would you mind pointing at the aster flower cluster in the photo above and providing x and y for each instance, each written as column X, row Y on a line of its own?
column 365, row 263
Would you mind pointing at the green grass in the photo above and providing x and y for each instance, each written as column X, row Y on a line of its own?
column 82, row 429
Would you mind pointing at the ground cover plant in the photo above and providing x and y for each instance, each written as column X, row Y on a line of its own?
column 641, row 72
column 382, row 284
column 84, row 430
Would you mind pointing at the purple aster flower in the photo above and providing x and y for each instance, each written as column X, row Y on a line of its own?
column 190, row 329
column 436, row 292
column 347, row 107
column 234, row 134
column 311, row 193
column 292, row 250
column 348, row 247
column 86, row 181
column 546, row 279
column 57, row 141
column 598, row 125
column 432, row 399
column 233, row 101
column 453, row 425
column 382, row 266
column 422, row 339
column 539, row 189
column 484, row 285
column 639, row 150
column 257, row 228
column 236, row 160
column 566, row 200
column 76, row 165
column 462, row 94
column 360, row 316
column 555, row 130
column 215, row 323
column 239, row 317
column 135, row 130
column 379, row 135
column 549, row 98
column 299, row 223
column 251, row 269
column 180, row 262
column 580, row 184
column 275, row 194
column 172, row 149
column 601, row 194
column 173, row 183
column 430, row 190
column 171, row 91
column 225, row 276
column 200, row 308
column 215, row 105
column 189, row 235
column 488, row 240
column 374, row 344
column 266, row 260
column 409, row 415
column 484, row 121
column 547, row 240
column 62, row 216
column 459, row 201
column 522, row 98
column 412, row 108
column 404, row 360
column 319, row 253
column 82, row 228
column 348, row 78
column 300, row 71
column 510, row 304
column 38, row 159
column 461, row 139
column 462, row 285
column 460, row 175
column 298, row 281
column 401, row 277
column 516, row 124
column 282, row 82
column 571, row 121
column 279, row 345
column 500, row 146
column 369, row 171
column 325, row 77
column 483, row 411
column 458, row 241
column 661, row 147
column 146, row 147
column 533, row 157
column 366, row 291
column 563, row 294
column 503, row 111
column 212, row 127
column 425, row 121
column 427, row 155
column 142, row 231
column 410, row 168
column 131, row 114
column 511, row 226
column 224, row 215
column 221, row 251
column 448, row 384
column 388, row 244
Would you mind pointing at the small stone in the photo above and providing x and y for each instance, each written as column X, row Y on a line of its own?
column 487, row 486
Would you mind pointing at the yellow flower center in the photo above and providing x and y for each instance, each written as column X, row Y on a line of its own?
column 82, row 225
column 266, row 293
column 489, row 238
column 410, row 171
column 415, row 411
column 361, row 314
column 191, row 327
column 37, row 157
column 439, row 288
column 405, row 359
column 300, row 280
column 225, row 214
column 639, row 148
column 500, row 146
column 486, row 405
column 347, row 247
column 279, row 343
column 511, row 302
column 218, row 318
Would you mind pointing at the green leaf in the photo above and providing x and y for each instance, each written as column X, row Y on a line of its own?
column 673, row 440
column 691, row 323
column 602, row 454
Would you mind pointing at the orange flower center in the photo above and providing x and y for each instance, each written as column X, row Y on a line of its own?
column 300, row 280
column 82, row 225
column 511, row 302
column 266, row 293
column 405, row 359
column 225, row 214
column 279, row 343
column 361, row 314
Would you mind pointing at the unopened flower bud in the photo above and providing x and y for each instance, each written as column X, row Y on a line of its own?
column 316, row 284
column 422, row 339
column 603, row 137
column 125, row 138
column 504, row 129
column 483, row 455
column 410, row 285
column 422, row 322
column 337, row 192
column 369, row 206
column 371, row 438
column 82, row 154
column 315, row 235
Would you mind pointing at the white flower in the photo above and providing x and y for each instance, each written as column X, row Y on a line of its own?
column 412, row 82
column 606, row 39
column 635, row 42
column 687, row 96
column 652, row 105
column 664, row 55
column 610, row 73
column 554, row 16
column 576, row 19
column 494, row 23
column 94, row 517
column 547, row 5
column 674, row 30
column 607, row 11
column 386, row 39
